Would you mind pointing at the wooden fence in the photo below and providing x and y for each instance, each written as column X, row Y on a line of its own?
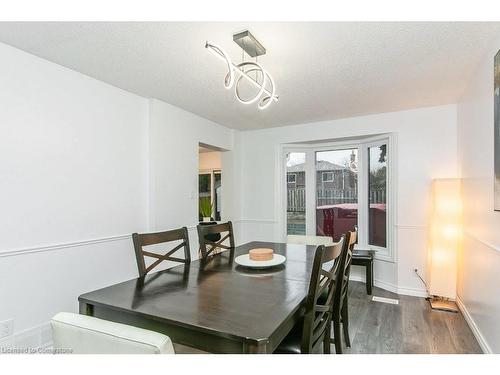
column 377, row 196
column 327, row 197
column 296, row 197
column 296, row 200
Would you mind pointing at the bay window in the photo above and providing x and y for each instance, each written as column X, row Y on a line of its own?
column 339, row 186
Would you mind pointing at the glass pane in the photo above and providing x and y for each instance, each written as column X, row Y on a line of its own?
column 217, row 189
column 296, row 193
column 377, row 190
column 336, row 192
column 204, row 189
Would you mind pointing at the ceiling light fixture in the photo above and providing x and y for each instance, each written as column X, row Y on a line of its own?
column 236, row 72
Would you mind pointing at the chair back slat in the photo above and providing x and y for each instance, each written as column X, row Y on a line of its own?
column 318, row 312
column 345, row 265
column 148, row 239
column 209, row 247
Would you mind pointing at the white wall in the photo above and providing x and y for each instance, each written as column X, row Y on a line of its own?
column 479, row 261
column 173, row 148
column 72, row 150
column 73, row 171
column 83, row 165
column 426, row 149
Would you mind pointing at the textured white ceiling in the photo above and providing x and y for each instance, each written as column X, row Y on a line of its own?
column 322, row 70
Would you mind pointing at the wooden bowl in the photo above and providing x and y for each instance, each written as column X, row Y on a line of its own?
column 261, row 254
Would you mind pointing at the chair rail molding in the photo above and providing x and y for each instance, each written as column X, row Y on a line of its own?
column 64, row 245
column 267, row 221
column 78, row 243
column 478, row 239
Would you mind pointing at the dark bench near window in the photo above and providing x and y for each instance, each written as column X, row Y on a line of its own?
column 365, row 258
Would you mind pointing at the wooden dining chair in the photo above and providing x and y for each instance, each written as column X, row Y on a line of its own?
column 314, row 329
column 209, row 247
column 340, row 314
column 146, row 239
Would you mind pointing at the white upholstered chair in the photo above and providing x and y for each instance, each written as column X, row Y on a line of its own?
column 310, row 240
column 83, row 334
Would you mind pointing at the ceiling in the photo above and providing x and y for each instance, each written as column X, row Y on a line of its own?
column 322, row 70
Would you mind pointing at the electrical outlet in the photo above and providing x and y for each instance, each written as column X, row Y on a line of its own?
column 6, row 328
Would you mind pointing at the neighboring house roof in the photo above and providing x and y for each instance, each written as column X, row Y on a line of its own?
column 321, row 165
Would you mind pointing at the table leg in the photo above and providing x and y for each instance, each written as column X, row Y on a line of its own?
column 86, row 309
column 369, row 278
column 260, row 347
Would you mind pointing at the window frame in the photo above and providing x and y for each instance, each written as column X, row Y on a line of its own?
column 323, row 176
column 378, row 143
column 212, row 173
column 363, row 143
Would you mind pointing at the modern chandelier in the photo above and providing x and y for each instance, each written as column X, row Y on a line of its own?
column 251, row 71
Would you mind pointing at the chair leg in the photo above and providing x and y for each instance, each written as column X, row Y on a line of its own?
column 326, row 341
column 369, row 278
column 337, row 339
column 345, row 324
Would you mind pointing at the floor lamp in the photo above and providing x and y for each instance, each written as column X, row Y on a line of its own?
column 444, row 242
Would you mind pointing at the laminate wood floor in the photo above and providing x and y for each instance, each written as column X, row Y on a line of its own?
column 411, row 327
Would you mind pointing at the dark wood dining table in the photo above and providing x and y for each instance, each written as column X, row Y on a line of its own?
column 215, row 306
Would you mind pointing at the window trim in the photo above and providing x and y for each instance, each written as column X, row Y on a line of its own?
column 214, row 173
column 388, row 252
column 362, row 143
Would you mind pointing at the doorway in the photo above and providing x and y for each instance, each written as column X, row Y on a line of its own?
column 209, row 183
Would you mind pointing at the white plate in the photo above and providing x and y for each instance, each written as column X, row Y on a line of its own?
column 245, row 261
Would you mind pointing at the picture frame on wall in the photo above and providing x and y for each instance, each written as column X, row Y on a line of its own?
column 497, row 131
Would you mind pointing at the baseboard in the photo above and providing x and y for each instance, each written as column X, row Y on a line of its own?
column 393, row 288
column 415, row 292
column 474, row 328
column 39, row 336
column 385, row 285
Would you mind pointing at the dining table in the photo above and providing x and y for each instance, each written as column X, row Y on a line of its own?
column 214, row 305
